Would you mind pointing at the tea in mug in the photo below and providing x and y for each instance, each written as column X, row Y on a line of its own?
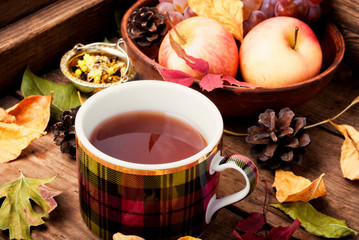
column 147, row 137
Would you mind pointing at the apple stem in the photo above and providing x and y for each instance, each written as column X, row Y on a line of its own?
column 182, row 40
column 295, row 36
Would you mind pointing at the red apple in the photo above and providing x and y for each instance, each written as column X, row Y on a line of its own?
column 204, row 38
column 270, row 58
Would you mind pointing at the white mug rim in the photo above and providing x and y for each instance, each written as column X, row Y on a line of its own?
column 211, row 143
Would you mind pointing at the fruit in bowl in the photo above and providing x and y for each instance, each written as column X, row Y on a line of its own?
column 204, row 38
column 239, row 101
column 278, row 52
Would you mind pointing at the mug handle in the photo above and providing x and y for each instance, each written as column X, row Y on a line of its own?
column 243, row 165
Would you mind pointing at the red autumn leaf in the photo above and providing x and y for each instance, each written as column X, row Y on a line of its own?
column 232, row 81
column 211, row 81
column 197, row 64
column 175, row 76
column 208, row 82
column 253, row 223
column 252, row 236
column 284, row 233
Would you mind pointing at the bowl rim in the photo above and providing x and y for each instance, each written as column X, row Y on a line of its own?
column 335, row 33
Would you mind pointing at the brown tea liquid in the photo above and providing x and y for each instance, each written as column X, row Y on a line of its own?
column 147, row 137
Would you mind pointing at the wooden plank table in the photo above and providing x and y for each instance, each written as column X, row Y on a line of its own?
column 43, row 159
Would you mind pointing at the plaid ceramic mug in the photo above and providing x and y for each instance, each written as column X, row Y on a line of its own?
column 155, row 201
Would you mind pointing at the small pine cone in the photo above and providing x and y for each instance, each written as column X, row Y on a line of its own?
column 64, row 131
column 146, row 26
column 278, row 141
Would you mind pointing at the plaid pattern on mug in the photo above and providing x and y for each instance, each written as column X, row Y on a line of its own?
column 165, row 206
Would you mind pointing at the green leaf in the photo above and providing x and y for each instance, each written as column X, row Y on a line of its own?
column 65, row 95
column 17, row 213
column 315, row 222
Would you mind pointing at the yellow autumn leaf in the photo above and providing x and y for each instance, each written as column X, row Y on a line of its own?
column 32, row 112
column 349, row 159
column 28, row 121
column 15, row 138
column 228, row 12
column 6, row 117
column 293, row 188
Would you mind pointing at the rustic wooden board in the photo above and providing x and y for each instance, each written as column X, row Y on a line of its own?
column 12, row 10
column 322, row 156
column 345, row 13
column 40, row 39
column 43, row 159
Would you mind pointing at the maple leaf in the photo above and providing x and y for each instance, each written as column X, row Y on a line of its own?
column 229, row 13
column 211, row 81
column 17, row 213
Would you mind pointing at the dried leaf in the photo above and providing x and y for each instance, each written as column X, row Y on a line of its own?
column 255, row 222
column 232, row 81
column 175, row 76
column 32, row 112
column 252, row 224
column 6, row 117
column 228, row 12
column 208, row 81
column 284, row 233
column 291, row 188
column 197, row 64
column 31, row 116
column 15, row 138
column 349, row 159
column 211, row 81
column 17, row 213
column 315, row 222
column 120, row 236
column 64, row 95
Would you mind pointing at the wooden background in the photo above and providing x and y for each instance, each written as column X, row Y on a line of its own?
column 43, row 159
column 27, row 42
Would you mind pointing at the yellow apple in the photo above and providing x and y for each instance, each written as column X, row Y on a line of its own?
column 273, row 55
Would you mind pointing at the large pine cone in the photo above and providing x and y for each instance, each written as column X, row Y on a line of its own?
column 64, row 131
column 278, row 141
column 146, row 26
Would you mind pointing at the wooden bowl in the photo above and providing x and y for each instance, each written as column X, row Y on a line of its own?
column 236, row 101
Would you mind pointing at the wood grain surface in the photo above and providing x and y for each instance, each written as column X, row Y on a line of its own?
column 39, row 40
column 43, row 159
column 345, row 14
column 12, row 10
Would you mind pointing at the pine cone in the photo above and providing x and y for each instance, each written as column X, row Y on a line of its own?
column 64, row 131
column 278, row 141
column 146, row 26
